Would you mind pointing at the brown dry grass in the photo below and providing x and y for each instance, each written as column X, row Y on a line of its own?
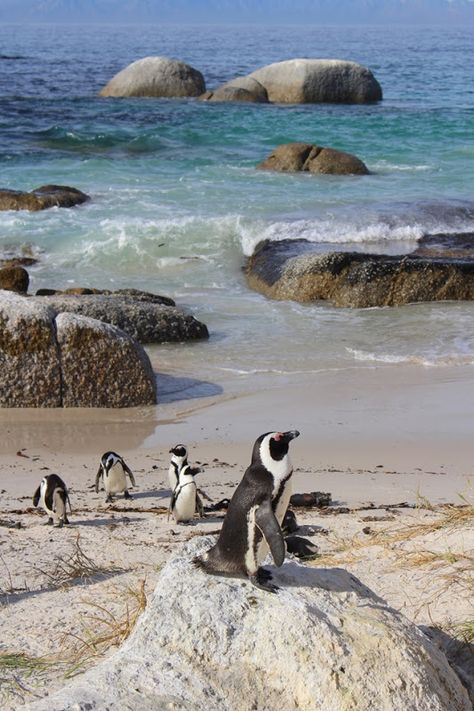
column 102, row 629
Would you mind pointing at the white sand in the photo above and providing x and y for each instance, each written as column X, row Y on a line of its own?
column 382, row 435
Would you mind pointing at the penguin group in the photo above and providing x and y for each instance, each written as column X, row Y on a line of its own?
column 255, row 521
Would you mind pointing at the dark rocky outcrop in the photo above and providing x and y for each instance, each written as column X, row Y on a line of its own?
column 156, row 76
column 296, row 270
column 65, row 360
column 307, row 81
column 14, row 278
column 42, row 198
column 148, row 318
column 293, row 157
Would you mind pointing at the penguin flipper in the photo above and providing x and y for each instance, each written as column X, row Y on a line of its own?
column 129, row 472
column 270, row 528
column 97, row 479
column 36, row 497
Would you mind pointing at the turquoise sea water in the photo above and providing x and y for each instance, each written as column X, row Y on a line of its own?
column 177, row 202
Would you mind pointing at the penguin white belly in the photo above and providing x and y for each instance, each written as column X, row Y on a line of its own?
column 42, row 501
column 185, row 504
column 115, row 481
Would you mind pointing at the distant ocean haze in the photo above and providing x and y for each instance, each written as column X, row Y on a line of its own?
column 177, row 203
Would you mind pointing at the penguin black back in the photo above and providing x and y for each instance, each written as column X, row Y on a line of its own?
column 255, row 512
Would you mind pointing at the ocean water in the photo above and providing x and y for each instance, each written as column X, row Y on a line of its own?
column 177, row 203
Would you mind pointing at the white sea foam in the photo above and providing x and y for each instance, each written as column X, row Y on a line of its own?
column 411, row 359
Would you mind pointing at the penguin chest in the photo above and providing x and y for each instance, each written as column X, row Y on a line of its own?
column 185, row 503
column 46, row 496
column 114, row 480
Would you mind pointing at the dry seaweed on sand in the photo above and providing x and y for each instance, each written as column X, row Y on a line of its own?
column 103, row 629
column 76, row 567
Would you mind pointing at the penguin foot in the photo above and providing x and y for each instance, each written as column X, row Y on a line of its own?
column 49, row 522
column 261, row 579
column 59, row 524
column 109, row 499
column 126, row 495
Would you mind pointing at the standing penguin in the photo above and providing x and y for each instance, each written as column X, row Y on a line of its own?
column 113, row 470
column 179, row 457
column 185, row 499
column 53, row 496
column 253, row 521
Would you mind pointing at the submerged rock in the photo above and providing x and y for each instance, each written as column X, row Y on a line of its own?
column 293, row 269
column 156, row 76
column 292, row 157
column 307, row 81
column 325, row 641
column 240, row 89
column 49, row 359
column 42, row 198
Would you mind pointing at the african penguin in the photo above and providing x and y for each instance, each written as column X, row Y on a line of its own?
column 185, row 499
column 179, row 457
column 52, row 495
column 113, row 470
column 252, row 524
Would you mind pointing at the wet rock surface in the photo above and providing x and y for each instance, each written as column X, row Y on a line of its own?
column 310, row 158
column 42, row 198
column 301, row 271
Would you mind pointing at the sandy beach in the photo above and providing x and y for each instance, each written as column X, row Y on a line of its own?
column 391, row 445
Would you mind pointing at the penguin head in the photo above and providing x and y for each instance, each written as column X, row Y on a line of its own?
column 109, row 459
column 273, row 446
column 179, row 453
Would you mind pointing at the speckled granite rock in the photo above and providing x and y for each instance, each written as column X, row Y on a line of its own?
column 303, row 81
column 66, row 360
column 29, row 359
column 146, row 317
column 291, row 157
column 325, row 641
column 292, row 269
column 240, row 89
column 156, row 76
column 101, row 366
column 42, row 198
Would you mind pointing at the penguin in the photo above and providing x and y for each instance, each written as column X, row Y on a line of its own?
column 179, row 457
column 53, row 495
column 185, row 500
column 252, row 524
column 113, row 470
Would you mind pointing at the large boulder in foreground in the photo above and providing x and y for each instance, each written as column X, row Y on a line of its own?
column 42, row 198
column 29, row 363
column 308, row 81
column 293, row 269
column 310, row 158
column 65, row 360
column 156, row 76
column 325, row 641
column 100, row 364
column 148, row 318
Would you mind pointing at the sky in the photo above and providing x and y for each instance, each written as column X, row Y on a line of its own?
column 242, row 11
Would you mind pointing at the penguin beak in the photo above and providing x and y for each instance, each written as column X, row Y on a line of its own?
column 288, row 436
